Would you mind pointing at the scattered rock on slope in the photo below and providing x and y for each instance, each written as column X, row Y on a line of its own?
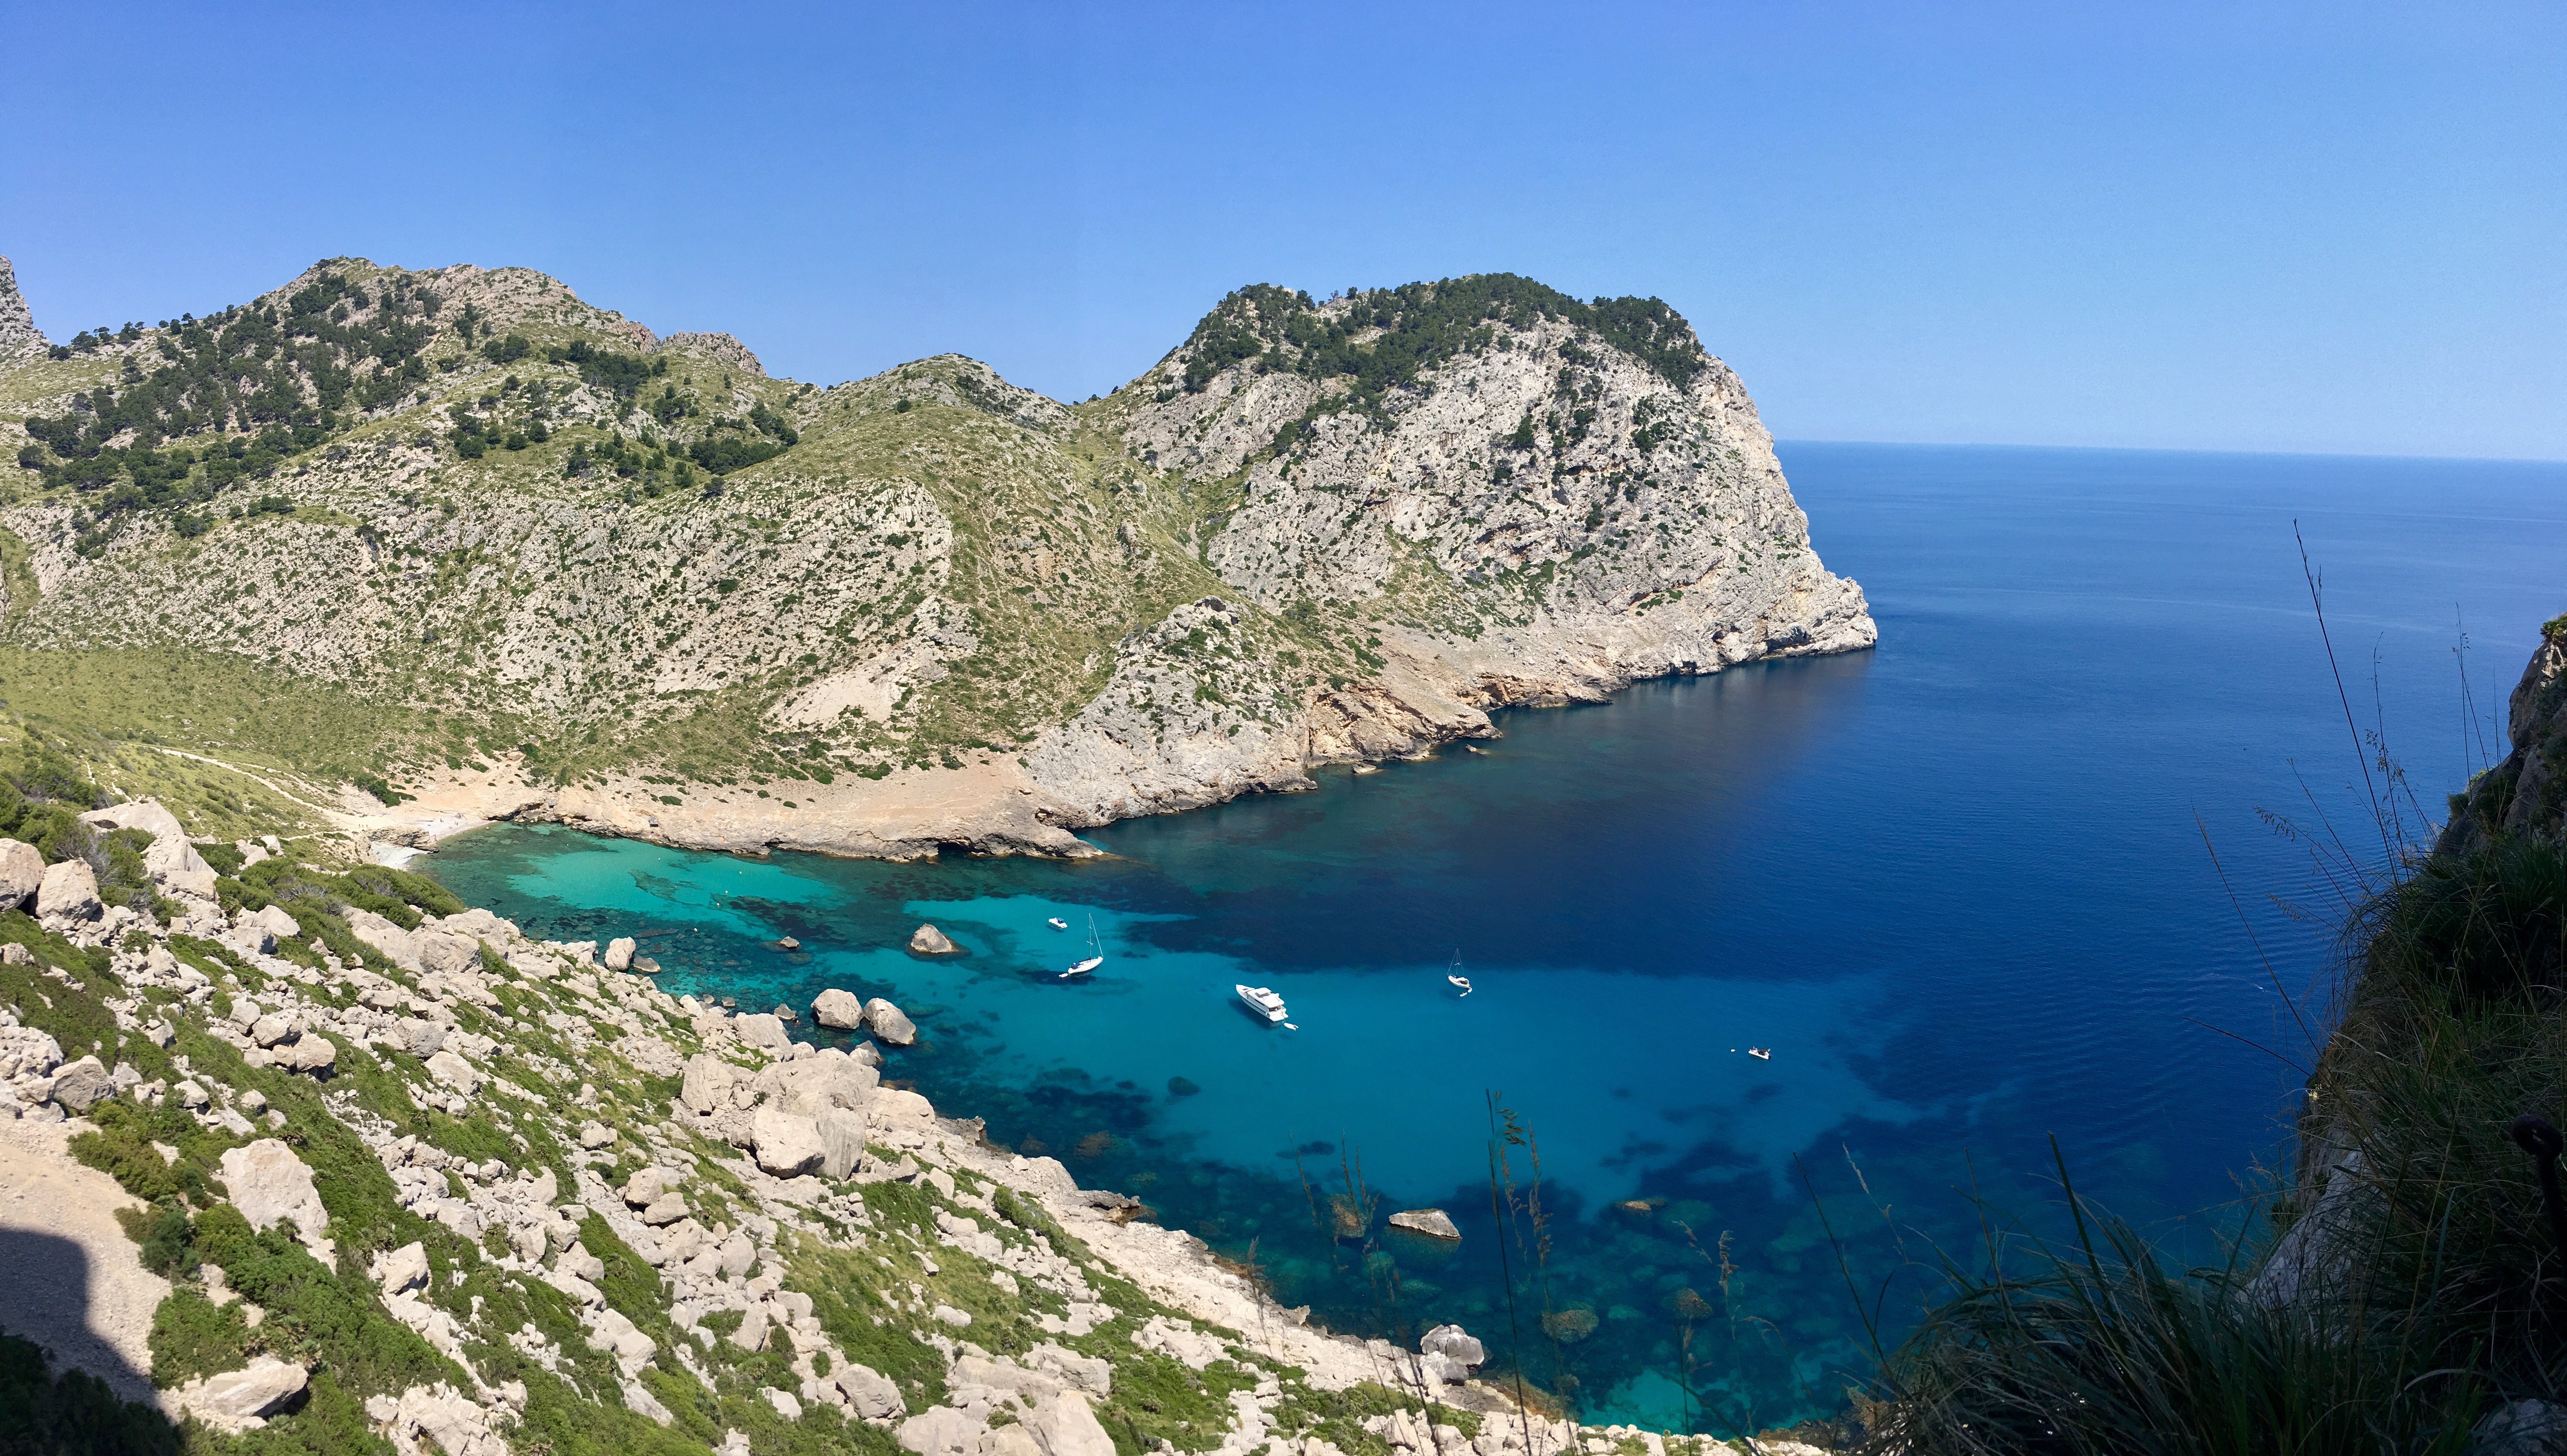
column 22, row 871
column 66, row 893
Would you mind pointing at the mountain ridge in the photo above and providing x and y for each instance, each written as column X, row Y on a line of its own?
column 507, row 554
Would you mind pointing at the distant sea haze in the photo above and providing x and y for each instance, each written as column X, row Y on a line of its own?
column 1955, row 883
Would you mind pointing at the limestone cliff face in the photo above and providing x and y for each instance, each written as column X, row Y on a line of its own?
column 1549, row 508
column 2526, row 793
column 18, row 333
column 565, row 568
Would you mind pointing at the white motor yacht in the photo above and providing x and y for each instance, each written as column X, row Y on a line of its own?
column 1266, row 1005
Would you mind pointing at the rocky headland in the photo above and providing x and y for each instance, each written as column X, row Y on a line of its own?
column 402, row 551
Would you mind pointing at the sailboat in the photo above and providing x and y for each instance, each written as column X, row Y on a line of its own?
column 1453, row 974
column 1093, row 961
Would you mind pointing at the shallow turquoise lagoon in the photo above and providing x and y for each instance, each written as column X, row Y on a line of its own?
column 1956, row 884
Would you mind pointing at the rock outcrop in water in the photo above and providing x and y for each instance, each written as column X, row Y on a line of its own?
column 484, row 1237
column 411, row 550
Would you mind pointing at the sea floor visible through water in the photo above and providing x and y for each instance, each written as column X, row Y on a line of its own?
column 1958, row 885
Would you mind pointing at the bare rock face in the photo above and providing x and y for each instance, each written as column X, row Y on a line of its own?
column 27, row 1052
column 942, row 1431
column 889, row 1024
column 723, row 349
column 2526, row 793
column 18, row 332
column 927, row 939
column 402, row 1269
column 839, row 1009
column 68, row 893
column 444, row 953
column 648, row 1186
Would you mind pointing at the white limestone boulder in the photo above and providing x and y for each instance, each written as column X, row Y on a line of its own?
column 869, row 1393
column 22, row 870
column 309, row 1053
column 270, row 1184
column 66, row 893
column 82, row 1085
column 788, row 1145
column 455, row 1073
column 1065, row 1426
column 401, row 1269
column 239, row 1400
column 889, row 1023
column 391, row 941
column 838, row 1008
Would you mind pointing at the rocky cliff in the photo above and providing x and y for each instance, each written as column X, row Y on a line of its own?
column 18, row 333
column 414, row 550
column 2525, row 793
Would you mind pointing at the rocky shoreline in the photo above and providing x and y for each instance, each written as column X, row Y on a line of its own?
column 1425, row 702
column 705, row 1202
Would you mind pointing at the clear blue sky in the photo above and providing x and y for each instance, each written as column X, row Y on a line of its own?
column 2331, row 227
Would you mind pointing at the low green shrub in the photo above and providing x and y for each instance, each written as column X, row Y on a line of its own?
column 193, row 1336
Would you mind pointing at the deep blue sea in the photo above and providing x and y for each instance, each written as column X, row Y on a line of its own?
column 1958, row 885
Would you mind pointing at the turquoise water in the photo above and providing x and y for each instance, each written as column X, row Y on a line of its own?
column 1955, row 884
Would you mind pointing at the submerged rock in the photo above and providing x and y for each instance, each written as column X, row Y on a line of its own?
column 1434, row 1223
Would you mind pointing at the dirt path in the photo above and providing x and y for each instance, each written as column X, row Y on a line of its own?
column 69, row 1277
